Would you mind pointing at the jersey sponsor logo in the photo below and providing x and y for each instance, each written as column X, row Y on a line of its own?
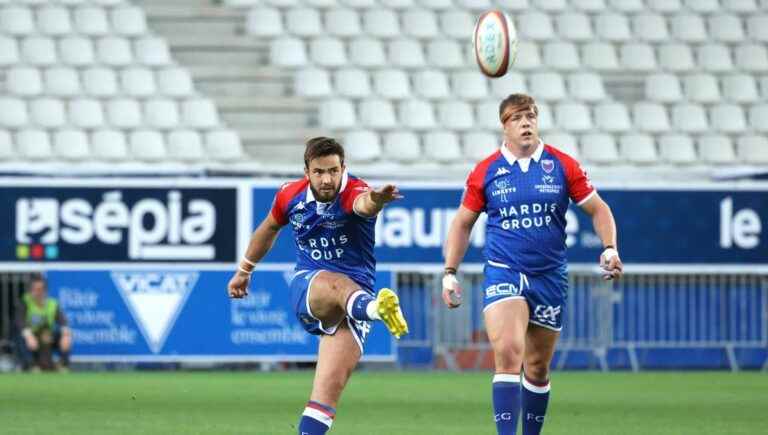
column 325, row 248
column 502, row 171
column 503, row 189
column 155, row 300
column 332, row 224
column 527, row 215
column 297, row 221
column 547, row 165
column 547, row 314
column 503, row 289
column 547, row 185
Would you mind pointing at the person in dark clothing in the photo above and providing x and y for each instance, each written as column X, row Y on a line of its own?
column 43, row 329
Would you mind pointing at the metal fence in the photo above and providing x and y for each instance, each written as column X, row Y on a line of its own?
column 638, row 314
column 12, row 286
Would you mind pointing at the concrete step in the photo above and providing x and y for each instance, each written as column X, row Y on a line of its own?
column 275, row 104
column 280, row 136
column 223, row 57
column 216, row 72
column 249, row 120
column 234, row 88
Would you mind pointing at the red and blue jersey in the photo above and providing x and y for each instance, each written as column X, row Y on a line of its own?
column 526, row 201
column 329, row 236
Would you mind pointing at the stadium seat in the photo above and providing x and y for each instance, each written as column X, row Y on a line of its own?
column 664, row 6
column 599, row 148
column 715, row 58
column 550, row 5
column 728, row 118
column 54, row 20
column 138, row 82
column 124, row 113
column 758, row 117
column 627, row 5
column 689, row 28
column 740, row 88
column 545, row 118
column 716, row 149
column 312, row 83
column 152, row 51
column 223, row 145
column 753, row 149
column 564, row 142
column 17, row 20
column 34, row 144
column 600, row 56
column 358, row 4
column 287, row 52
column 487, row 115
column 573, row 117
column 650, row 117
column 185, row 145
column 477, row 145
column 397, row 4
column 435, row 4
column 9, row 51
column 509, row 83
column 638, row 148
column 71, row 144
column 337, row 114
column 391, row 83
column 612, row 117
column 725, row 28
column 303, row 22
column 199, row 113
column 690, row 118
column 367, row 52
column 650, row 27
column 13, row 112
column 764, row 86
column 469, row 85
column 528, row 56
column 739, row 6
column 455, row 115
column 703, row 6
column 327, row 52
column 431, row 84
column 91, row 21
column 757, row 27
column 402, row 146
column 161, row 113
column 114, row 51
column 638, row 57
column 128, row 21
column 420, row 23
column 702, row 88
column 39, row 51
column 586, row 86
column 320, row 4
column 561, row 55
column 574, row 26
column 24, row 81
column 663, row 88
column 48, row 113
column 342, row 22
column 589, row 5
column 62, row 82
column 474, row 5
column 76, row 51
column 457, row 24
column 175, row 82
column 381, row 23
column 405, row 53
column 752, row 57
column 7, row 151
column 147, row 145
column 416, row 115
column 100, row 82
column 442, row 147
column 676, row 57
column 534, row 25
column 264, row 21
column 85, row 113
column 612, row 26
column 445, row 54
column 677, row 149
column 352, row 83
column 362, row 146
column 109, row 145
column 547, row 86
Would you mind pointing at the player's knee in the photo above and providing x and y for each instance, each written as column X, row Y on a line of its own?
column 537, row 368
column 509, row 355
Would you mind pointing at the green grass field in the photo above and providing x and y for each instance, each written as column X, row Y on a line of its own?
column 388, row 403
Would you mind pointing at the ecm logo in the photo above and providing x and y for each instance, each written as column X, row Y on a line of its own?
column 174, row 230
column 741, row 228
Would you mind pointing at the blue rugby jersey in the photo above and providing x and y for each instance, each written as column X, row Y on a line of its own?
column 329, row 236
column 526, row 201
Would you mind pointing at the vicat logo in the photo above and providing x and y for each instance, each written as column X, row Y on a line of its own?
column 176, row 229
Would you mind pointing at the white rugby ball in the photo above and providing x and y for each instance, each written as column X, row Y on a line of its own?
column 495, row 42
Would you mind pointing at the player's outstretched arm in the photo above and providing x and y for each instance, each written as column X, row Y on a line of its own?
column 370, row 203
column 455, row 247
column 605, row 228
column 261, row 242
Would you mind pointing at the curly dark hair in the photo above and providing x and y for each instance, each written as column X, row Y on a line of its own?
column 321, row 147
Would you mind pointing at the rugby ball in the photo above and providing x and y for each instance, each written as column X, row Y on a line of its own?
column 495, row 43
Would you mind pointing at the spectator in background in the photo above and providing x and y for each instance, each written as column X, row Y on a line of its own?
column 43, row 328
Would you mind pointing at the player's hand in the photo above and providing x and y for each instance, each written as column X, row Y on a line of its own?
column 238, row 285
column 611, row 264
column 31, row 342
column 451, row 290
column 385, row 194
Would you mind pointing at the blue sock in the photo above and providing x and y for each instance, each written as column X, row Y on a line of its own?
column 506, row 402
column 357, row 305
column 316, row 419
column 535, row 399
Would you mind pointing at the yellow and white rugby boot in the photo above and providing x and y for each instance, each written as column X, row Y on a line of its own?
column 390, row 312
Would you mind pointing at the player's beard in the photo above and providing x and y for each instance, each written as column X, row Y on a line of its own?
column 325, row 195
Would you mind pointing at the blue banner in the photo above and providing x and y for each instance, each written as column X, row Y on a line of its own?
column 185, row 315
column 654, row 226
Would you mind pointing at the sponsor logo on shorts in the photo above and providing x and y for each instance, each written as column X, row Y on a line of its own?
column 502, row 289
column 547, row 314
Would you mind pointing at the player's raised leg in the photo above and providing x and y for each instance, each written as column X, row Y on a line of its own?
column 539, row 349
column 506, row 322
column 337, row 357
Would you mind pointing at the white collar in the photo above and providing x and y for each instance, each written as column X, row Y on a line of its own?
column 524, row 162
column 311, row 196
